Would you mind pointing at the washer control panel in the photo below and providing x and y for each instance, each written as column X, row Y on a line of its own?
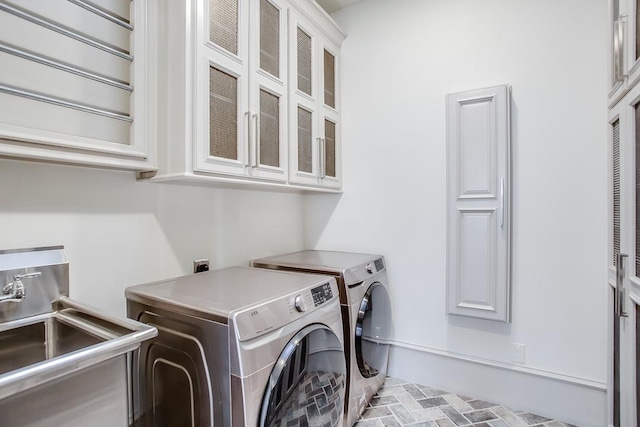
column 261, row 318
column 322, row 294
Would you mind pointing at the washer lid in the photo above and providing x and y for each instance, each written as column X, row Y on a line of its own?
column 216, row 294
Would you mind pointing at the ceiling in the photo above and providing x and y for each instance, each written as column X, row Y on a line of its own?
column 332, row 5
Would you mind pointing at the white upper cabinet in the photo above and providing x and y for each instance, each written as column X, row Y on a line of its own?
column 225, row 81
column 241, row 96
column 75, row 82
column 314, row 114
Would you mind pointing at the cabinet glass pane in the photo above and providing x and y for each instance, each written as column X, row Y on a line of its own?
column 329, row 148
column 329, row 79
column 223, row 24
column 616, row 189
column 223, row 114
column 304, row 62
column 269, row 38
column 269, row 129
column 304, row 141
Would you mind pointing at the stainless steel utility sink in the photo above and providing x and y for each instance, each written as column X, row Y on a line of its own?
column 62, row 362
column 40, row 348
column 43, row 340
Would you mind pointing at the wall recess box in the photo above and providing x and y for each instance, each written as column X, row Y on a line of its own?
column 200, row 265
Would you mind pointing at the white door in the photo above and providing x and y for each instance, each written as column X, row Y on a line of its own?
column 478, row 253
column 267, row 98
column 222, row 110
column 624, row 260
column 304, row 165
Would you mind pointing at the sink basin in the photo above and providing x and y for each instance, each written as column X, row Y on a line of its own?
column 40, row 348
column 43, row 340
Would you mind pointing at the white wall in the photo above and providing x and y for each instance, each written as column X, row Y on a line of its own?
column 118, row 232
column 400, row 59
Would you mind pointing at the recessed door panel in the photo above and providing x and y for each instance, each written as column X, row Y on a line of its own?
column 476, row 253
column 477, row 145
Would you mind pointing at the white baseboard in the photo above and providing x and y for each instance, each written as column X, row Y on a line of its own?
column 578, row 401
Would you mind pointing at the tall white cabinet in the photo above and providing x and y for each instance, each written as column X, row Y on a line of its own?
column 623, row 285
column 231, row 108
column 478, row 187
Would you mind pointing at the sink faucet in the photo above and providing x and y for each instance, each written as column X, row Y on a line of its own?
column 15, row 291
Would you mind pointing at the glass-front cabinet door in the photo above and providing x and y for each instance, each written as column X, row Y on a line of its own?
column 240, row 95
column 268, row 98
column 330, row 148
column 221, row 90
column 624, row 41
column 315, row 151
column 624, row 260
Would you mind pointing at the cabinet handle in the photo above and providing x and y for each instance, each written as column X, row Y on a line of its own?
column 256, row 143
column 620, row 291
column 323, row 171
column 247, row 115
column 618, row 49
column 502, row 204
column 319, row 141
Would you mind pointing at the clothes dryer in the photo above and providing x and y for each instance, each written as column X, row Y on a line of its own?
column 366, row 314
column 241, row 347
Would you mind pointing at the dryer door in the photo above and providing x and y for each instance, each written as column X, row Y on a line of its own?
column 307, row 383
column 373, row 329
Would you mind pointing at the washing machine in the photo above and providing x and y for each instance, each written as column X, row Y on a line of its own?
column 240, row 347
column 366, row 315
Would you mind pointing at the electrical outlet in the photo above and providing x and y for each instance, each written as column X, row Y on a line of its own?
column 517, row 353
column 200, row 265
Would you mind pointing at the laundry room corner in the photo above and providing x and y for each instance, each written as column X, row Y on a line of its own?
column 394, row 200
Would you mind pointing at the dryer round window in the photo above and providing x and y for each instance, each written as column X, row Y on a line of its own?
column 307, row 383
column 373, row 329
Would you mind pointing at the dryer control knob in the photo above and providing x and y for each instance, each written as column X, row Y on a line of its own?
column 299, row 304
column 369, row 268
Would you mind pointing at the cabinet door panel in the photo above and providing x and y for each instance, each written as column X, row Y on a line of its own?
column 268, row 91
column 304, row 61
column 223, row 24
column 329, row 79
column 269, row 151
column 223, row 113
column 269, row 38
column 329, row 149
column 305, row 141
